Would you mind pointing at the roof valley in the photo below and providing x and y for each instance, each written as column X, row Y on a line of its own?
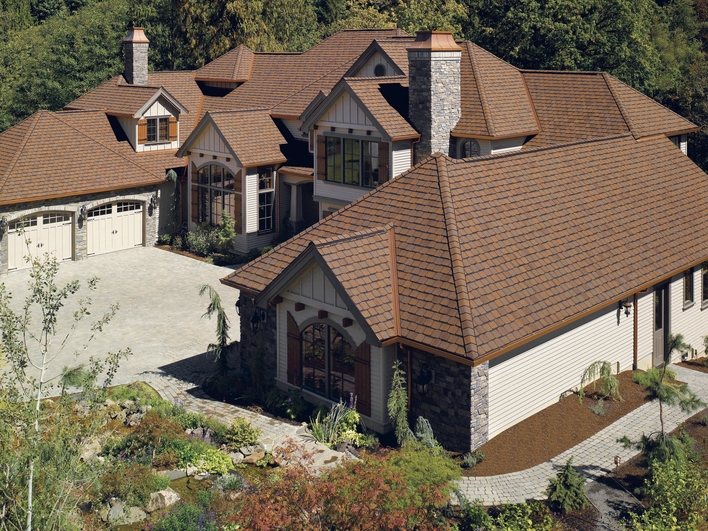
column 458, row 267
column 618, row 101
column 480, row 90
column 395, row 302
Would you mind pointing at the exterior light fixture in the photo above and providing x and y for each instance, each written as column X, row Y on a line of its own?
column 82, row 212
column 627, row 307
column 259, row 316
column 3, row 225
column 238, row 307
column 422, row 381
column 152, row 202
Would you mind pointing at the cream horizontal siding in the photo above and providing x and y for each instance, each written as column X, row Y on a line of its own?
column 344, row 112
column 534, row 379
column 645, row 329
column 130, row 128
column 367, row 69
column 260, row 240
column 691, row 323
column 338, row 191
column 401, row 157
column 684, row 144
column 507, row 144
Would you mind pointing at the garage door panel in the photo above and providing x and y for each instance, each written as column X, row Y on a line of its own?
column 115, row 226
column 36, row 235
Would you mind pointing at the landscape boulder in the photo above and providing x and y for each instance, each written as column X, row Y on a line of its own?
column 161, row 500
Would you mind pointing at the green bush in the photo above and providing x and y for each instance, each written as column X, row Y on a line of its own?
column 676, row 493
column 666, row 448
column 140, row 393
column 161, row 482
column 131, row 482
column 472, row 459
column 419, row 465
column 230, row 482
column 241, row 433
column 165, row 239
column 290, row 405
column 598, row 408
column 609, row 384
column 566, row 492
column 215, row 462
column 473, row 516
column 337, row 426
column 187, row 517
column 532, row 516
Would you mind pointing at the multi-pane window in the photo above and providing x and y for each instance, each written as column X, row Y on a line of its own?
column 688, row 286
column 327, row 362
column 158, row 130
column 704, row 283
column 215, row 194
column 469, row 148
column 352, row 161
column 266, row 199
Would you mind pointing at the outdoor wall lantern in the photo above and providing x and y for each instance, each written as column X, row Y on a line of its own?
column 238, row 307
column 422, row 382
column 82, row 212
column 259, row 316
column 627, row 307
column 3, row 225
column 153, row 201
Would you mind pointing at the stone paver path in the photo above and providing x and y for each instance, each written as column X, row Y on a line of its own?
column 274, row 432
column 593, row 457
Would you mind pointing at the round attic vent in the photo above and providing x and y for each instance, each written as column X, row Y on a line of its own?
column 379, row 70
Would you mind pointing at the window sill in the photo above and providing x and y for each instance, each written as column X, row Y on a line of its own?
column 339, row 183
column 158, row 143
column 261, row 232
column 704, row 304
column 690, row 304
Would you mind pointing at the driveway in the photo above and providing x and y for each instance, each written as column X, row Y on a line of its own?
column 159, row 316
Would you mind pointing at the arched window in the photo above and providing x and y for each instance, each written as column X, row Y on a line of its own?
column 469, row 148
column 327, row 362
column 214, row 185
column 379, row 70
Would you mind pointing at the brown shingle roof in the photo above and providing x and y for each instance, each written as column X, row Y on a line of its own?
column 252, row 136
column 70, row 153
column 495, row 102
column 572, row 106
column 368, row 91
column 537, row 238
column 234, row 66
column 644, row 116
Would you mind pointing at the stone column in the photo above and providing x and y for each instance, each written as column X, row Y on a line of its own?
column 479, row 405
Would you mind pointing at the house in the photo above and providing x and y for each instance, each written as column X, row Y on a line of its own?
column 560, row 226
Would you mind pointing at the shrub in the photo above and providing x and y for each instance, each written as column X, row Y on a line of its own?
column 473, row 516
column 625, row 441
column 290, row 405
column 676, row 494
column 609, row 384
column 337, row 426
column 201, row 241
column 471, row 459
column 161, row 482
column 665, row 448
column 566, row 492
column 215, row 461
column 152, row 435
column 703, row 420
column 524, row 517
column 229, row 482
column 419, row 465
column 165, row 239
column 598, row 408
column 131, row 482
column 424, row 433
column 241, row 433
column 225, row 233
column 140, row 393
column 187, row 517
column 398, row 404
column 177, row 242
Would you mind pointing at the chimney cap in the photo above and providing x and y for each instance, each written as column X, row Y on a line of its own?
column 136, row 34
column 434, row 41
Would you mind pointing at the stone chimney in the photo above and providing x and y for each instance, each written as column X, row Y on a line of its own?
column 136, row 57
column 434, row 90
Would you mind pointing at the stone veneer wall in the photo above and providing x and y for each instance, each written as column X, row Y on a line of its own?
column 136, row 62
column 250, row 341
column 456, row 401
column 433, row 99
column 72, row 205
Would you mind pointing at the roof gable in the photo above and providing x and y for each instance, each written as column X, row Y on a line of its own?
column 373, row 49
column 233, row 67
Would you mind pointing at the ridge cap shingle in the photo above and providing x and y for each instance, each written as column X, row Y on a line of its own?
column 480, row 89
column 620, row 104
column 13, row 162
column 458, row 268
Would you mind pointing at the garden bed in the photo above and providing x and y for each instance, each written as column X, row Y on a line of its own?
column 696, row 365
column 631, row 475
column 554, row 430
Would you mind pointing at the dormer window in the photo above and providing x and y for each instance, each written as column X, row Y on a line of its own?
column 158, row 130
column 379, row 70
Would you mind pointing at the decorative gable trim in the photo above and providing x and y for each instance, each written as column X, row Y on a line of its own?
column 196, row 133
column 161, row 93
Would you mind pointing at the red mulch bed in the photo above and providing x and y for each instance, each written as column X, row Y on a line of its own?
column 554, row 430
column 183, row 253
column 697, row 365
column 631, row 474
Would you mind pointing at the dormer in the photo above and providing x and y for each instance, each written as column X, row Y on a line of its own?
column 157, row 123
column 377, row 62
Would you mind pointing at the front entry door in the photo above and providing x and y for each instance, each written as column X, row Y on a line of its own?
column 661, row 320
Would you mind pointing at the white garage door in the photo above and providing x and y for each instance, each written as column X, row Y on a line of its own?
column 114, row 226
column 35, row 235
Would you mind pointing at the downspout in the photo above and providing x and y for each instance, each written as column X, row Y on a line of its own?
column 408, row 375
column 636, row 328
column 413, row 143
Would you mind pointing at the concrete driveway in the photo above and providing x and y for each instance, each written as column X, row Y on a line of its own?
column 159, row 316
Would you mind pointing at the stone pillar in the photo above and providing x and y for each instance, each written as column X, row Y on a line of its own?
column 479, row 405
column 136, row 57
column 434, row 90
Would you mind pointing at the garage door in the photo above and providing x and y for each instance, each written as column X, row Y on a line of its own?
column 114, row 227
column 36, row 235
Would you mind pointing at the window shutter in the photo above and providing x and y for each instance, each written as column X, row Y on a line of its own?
column 238, row 214
column 173, row 129
column 142, row 131
column 321, row 158
column 384, row 173
column 362, row 378
column 294, row 355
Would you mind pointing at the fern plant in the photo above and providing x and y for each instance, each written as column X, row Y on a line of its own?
column 566, row 492
column 609, row 385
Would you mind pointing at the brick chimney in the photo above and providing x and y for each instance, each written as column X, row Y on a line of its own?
column 434, row 90
column 136, row 57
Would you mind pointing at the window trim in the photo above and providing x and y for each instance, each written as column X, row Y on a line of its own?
column 689, row 297
column 158, row 140
column 704, row 285
column 328, row 362
column 202, row 216
column 266, row 191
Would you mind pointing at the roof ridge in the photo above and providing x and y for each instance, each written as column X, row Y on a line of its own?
column 620, row 104
column 480, row 90
column 458, row 269
column 227, row 111
column 18, row 153
column 134, row 163
column 373, row 78
column 578, row 72
column 393, row 266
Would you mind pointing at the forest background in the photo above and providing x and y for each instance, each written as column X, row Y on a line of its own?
column 52, row 51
